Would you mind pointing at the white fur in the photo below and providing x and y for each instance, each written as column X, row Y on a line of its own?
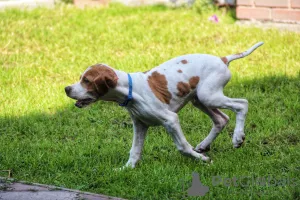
column 147, row 110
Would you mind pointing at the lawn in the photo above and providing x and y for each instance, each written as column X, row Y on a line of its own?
column 44, row 138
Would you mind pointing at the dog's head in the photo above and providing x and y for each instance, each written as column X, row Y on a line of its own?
column 94, row 83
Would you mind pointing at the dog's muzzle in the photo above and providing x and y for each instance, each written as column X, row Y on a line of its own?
column 80, row 103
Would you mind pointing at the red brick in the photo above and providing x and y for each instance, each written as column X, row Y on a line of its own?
column 272, row 3
column 244, row 2
column 286, row 15
column 253, row 13
column 295, row 3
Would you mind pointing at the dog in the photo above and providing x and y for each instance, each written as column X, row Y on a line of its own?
column 154, row 97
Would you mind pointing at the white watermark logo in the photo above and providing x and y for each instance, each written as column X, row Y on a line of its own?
column 198, row 189
column 246, row 181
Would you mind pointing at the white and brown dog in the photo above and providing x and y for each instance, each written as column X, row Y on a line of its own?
column 154, row 97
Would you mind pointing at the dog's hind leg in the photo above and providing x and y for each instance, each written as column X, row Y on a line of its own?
column 219, row 120
column 216, row 99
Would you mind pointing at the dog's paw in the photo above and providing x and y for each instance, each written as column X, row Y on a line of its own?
column 202, row 147
column 202, row 157
column 206, row 159
column 238, row 140
column 125, row 167
column 128, row 165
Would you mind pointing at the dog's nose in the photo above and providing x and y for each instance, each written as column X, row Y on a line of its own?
column 68, row 89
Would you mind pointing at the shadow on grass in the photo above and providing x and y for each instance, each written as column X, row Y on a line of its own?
column 73, row 146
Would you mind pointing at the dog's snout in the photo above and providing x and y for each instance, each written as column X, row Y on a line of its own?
column 68, row 89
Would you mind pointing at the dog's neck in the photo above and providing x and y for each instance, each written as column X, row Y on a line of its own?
column 120, row 92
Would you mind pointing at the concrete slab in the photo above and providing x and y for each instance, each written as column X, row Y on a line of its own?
column 18, row 190
column 294, row 27
column 45, row 195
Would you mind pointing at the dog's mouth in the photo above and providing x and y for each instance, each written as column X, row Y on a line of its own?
column 84, row 102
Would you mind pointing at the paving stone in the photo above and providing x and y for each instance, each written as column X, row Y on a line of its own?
column 11, row 190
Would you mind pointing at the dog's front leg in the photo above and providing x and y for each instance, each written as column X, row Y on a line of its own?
column 139, row 134
column 171, row 123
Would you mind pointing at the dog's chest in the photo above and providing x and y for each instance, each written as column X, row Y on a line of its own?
column 150, row 115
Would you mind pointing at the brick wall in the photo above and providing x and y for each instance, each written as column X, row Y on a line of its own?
column 269, row 10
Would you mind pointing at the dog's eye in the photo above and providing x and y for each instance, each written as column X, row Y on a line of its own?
column 85, row 80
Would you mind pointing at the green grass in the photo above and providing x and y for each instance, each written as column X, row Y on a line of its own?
column 45, row 139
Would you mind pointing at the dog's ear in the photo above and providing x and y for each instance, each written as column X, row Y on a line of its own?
column 105, row 80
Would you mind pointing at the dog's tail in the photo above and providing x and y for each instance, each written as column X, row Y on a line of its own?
column 228, row 59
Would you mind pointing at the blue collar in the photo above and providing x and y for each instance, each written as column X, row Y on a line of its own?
column 129, row 97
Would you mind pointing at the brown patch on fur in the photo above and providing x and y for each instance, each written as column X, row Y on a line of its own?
column 194, row 81
column 99, row 79
column 184, row 61
column 239, row 54
column 224, row 59
column 183, row 88
column 179, row 71
column 159, row 86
